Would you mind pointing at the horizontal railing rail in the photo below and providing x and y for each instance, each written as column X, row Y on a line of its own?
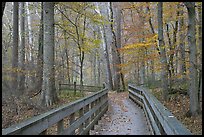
column 160, row 119
column 77, row 87
column 83, row 114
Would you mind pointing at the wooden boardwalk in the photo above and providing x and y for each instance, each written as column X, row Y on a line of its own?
column 106, row 113
column 123, row 117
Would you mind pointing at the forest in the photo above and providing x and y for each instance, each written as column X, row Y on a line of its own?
column 157, row 45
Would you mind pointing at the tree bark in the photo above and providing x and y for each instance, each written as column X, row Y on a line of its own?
column 193, row 87
column 49, row 95
column 15, row 48
column 30, row 34
column 163, row 59
column 152, row 48
column 40, row 53
column 22, row 49
column 115, row 54
column 119, row 45
column 182, row 44
column 110, row 81
column 200, row 46
column 30, row 58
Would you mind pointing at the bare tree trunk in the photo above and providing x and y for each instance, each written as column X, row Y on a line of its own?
column 163, row 59
column 142, row 68
column 200, row 47
column 68, row 66
column 22, row 49
column 49, row 95
column 115, row 54
column 30, row 34
column 152, row 60
column 182, row 45
column 40, row 53
column 94, row 69
column 110, row 81
column 31, row 66
column 3, row 4
column 99, row 71
column 15, row 48
column 119, row 45
column 175, row 30
column 193, row 87
column 170, row 63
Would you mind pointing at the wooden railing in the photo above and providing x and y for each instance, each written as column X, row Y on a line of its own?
column 160, row 119
column 75, row 87
column 83, row 114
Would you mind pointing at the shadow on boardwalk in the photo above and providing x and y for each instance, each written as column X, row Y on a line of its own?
column 123, row 117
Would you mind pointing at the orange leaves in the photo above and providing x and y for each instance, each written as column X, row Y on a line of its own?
column 147, row 43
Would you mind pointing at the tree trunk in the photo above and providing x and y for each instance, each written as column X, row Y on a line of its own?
column 119, row 45
column 142, row 68
column 163, row 59
column 152, row 48
column 3, row 4
column 40, row 53
column 31, row 65
column 99, row 71
column 115, row 53
column 15, row 48
column 110, row 81
column 193, row 88
column 182, row 45
column 199, row 5
column 68, row 65
column 49, row 95
column 22, row 49
column 200, row 46
column 30, row 34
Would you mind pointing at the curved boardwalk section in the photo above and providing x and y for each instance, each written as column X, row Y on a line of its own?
column 123, row 117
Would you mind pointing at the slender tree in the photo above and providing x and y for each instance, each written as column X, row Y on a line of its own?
column 40, row 53
column 163, row 59
column 200, row 47
column 15, row 47
column 22, row 49
column 181, row 43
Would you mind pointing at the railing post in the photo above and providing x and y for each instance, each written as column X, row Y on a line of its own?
column 92, row 116
column 97, row 111
column 104, row 85
column 81, row 113
column 60, row 126
column 71, row 120
column 87, row 121
column 75, row 88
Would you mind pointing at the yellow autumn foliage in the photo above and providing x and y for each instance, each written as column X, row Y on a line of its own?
column 148, row 43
